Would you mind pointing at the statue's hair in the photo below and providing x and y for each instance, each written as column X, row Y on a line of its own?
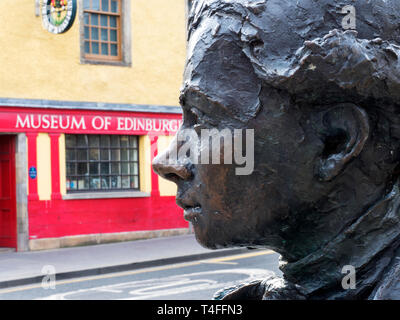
column 324, row 67
column 335, row 63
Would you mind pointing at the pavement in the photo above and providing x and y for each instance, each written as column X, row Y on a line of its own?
column 23, row 268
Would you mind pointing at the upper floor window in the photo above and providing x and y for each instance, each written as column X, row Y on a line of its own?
column 102, row 20
column 105, row 33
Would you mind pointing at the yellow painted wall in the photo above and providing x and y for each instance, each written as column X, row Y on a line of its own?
column 145, row 164
column 63, row 167
column 167, row 188
column 36, row 64
column 44, row 166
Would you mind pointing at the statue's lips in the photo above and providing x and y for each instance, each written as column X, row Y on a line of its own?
column 192, row 209
column 191, row 213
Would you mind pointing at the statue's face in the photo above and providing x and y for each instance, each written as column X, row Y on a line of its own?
column 220, row 92
column 303, row 176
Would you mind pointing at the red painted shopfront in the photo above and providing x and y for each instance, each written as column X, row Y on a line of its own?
column 8, row 214
column 60, row 215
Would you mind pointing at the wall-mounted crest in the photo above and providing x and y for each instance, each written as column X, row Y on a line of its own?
column 58, row 15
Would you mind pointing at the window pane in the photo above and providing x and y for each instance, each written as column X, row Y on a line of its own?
column 133, row 155
column 95, row 4
column 113, row 22
column 94, row 154
column 71, row 155
column 73, row 185
column 94, row 141
column 105, row 183
column 87, row 47
column 83, row 183
column 104, row 20
column 95, row 33
column 134, row 182
column 133, row 141
column 124, row 154
column 114, row 141
column 104, row 35
column 82, row 140
column 81, row 155
column 105, row 168
column 82, row 168
column 114, row 50
column 115, row 155
column 70, row 141
column 115, row 168
column 71, row 167
column 87, row 34
column 134, row 168
column 125, row 182
column 114, row 6
column 104, row 141
column 86, row 18
column 124, row 141
column 124, row 168
column 94, row 168
column 104, row 154
column 104, row 5
column 116, row 182
column 94, row 19
column 95, row 47
column 104, row 49
column 113, row 35
column 86, row 4
column 94, row 183
column 136, row 179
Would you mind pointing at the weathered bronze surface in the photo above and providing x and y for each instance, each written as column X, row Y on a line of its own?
column 324, row 104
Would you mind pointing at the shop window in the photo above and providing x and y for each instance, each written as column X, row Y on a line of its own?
column 104, row 31
column 102, row 163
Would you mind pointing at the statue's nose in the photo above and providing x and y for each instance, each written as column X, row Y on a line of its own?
column 170, row 170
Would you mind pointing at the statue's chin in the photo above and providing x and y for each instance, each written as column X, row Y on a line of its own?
column 206, row 241
column 210, row 241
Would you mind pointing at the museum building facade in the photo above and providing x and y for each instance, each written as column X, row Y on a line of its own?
column 88, row 97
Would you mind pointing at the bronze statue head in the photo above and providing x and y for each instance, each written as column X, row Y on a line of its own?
column 324, row 106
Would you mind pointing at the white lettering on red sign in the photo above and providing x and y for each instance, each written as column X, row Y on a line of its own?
column 96, row 123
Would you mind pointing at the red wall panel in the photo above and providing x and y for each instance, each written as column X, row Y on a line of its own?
column 59, row 218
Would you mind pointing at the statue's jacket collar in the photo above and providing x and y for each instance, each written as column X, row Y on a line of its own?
column 369, row 245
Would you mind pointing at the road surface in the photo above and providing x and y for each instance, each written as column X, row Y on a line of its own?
column 195, row 280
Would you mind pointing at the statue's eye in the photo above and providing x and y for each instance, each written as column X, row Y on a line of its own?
column 194, row 119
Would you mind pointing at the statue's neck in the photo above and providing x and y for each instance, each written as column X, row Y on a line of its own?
column 367, row 245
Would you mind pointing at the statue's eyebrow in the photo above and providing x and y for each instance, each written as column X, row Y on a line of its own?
column 186, row 102
column 185, row 94
column 209, row 108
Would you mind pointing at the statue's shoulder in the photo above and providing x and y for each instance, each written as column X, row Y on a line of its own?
column 389, row 287
column 271, row 288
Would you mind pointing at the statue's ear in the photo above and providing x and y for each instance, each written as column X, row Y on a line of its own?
column 344, row 129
